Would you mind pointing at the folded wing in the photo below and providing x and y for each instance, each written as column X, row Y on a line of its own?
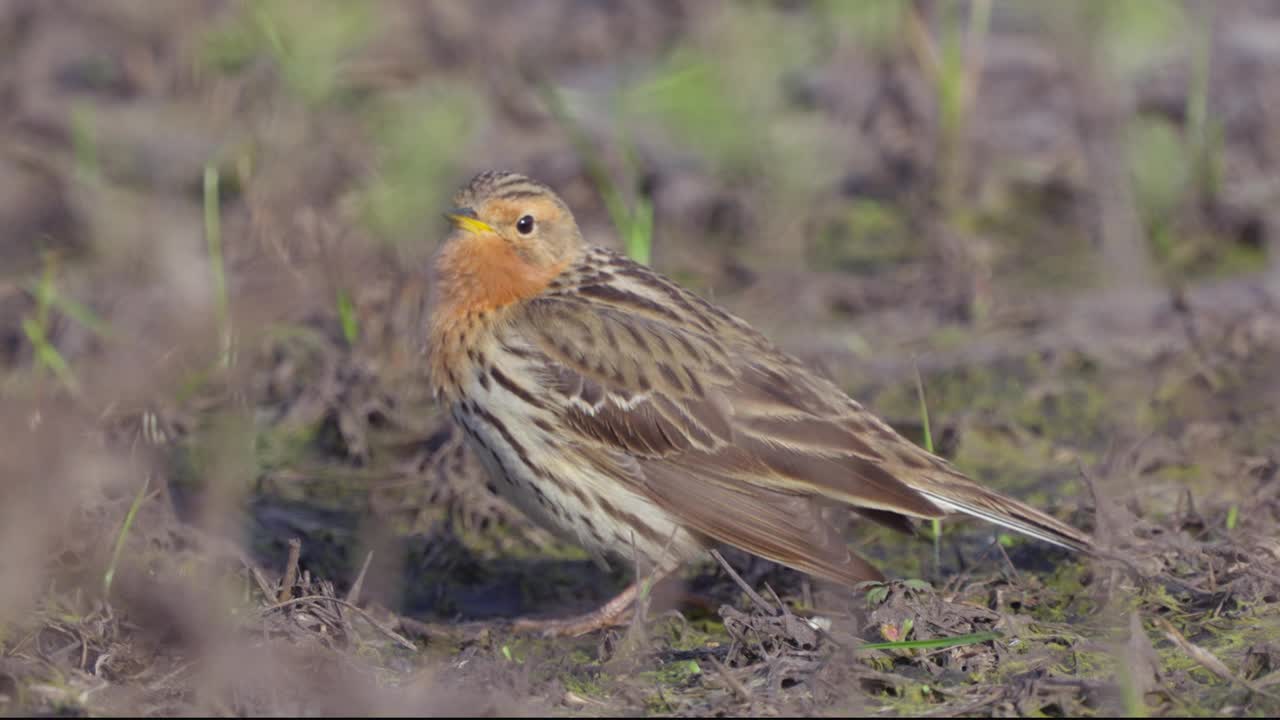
column 743, row 443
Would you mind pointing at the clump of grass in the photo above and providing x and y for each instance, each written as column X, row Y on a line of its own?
column 1204, row 132
column 307, row 41
column 952, row 60
column 689, row 94
column 70, row 307
column 725, row 98
column 419, row 138
column 1174, row 167
column 1161, row 174
column 1125, row 36
column 36, row 325
column 633, row 220
column 418, row 135
column 877, row 23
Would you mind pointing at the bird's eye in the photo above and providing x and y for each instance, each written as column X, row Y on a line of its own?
column 525, row 225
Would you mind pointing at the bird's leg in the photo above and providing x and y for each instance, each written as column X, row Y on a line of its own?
column 613, row 613
column 617, row 611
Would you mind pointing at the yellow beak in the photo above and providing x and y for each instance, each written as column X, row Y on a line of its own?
column 465, row 219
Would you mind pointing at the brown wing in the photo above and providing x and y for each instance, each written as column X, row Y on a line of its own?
column 737, row 439
column 663, row 391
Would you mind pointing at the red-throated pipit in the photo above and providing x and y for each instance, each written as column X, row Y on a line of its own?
column 633, row 417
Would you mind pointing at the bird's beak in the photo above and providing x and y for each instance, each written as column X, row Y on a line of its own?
column 465, row 219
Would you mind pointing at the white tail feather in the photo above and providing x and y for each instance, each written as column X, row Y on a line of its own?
column 1012, row 523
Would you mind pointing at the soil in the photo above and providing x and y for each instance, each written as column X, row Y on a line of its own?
column 225, row 486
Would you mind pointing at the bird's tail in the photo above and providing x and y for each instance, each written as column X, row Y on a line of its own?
column 972, row 499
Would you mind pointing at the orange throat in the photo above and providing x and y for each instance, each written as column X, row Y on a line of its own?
column 477, row 278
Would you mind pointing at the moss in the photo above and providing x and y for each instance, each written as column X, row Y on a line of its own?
column 676, row 673
column 869, row 235
column 912, row 699
column 520, row 648
column 695, row 635
column 879, row 661
column 1230, row 640
column 284, row 445
column 585, row 685
column 1089, row 664
column 1064, row 596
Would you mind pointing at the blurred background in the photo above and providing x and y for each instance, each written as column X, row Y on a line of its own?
column 1036, row 236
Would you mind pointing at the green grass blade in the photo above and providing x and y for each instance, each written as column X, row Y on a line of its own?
column 924, row 412
column 84, row 146
column 36, row 325
column 935, row 643
column 634, row 225
column 73, row 309
column 48, row 356
column 640, row 217
column 348, row 318
column 110, row 574
column 213, row 236
column 928, row 445
column 640, row 239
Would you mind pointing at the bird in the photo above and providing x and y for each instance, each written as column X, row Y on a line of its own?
column 631, row 416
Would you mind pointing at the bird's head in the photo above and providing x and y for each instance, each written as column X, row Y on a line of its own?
column 511, row 236
column 524, row 214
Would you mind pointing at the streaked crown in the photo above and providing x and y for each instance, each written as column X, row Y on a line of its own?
column 502, row 185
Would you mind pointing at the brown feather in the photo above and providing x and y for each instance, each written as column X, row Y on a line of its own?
column 786, row 528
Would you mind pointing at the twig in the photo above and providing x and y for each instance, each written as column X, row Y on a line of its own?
column 319, row 598
column 1099, row 518
column 752, row 594
column 163, row 683
column 1208, row 660
column 782, row 607
column 1262, row 574
column 353, row 595
column 1017, row 579
column 808, row 622
column 1089, row 485
column 290, row 570
column 734, row 684
column 263, row 584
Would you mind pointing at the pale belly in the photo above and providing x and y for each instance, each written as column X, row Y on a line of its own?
column 573, row 499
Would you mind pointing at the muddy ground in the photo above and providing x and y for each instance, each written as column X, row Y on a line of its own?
column 225, row 489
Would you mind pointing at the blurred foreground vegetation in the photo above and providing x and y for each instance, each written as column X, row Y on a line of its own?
column 216, row 218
